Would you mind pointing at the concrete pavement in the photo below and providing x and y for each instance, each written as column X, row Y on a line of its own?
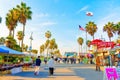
column 62, row 72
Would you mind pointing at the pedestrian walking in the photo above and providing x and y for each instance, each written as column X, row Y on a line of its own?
column 45, row 60
column 118, row 62
column 98, row 63
column 37, row 65
column 51, row 66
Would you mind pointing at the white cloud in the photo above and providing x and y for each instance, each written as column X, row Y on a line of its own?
column 83, row 9
column 48, row 23
column 41, row 15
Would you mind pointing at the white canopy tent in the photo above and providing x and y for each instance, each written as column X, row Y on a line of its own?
column 30, row 54
column 115, row 48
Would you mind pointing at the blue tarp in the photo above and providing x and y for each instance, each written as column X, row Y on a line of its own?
column 3, row 51
column 11, row 51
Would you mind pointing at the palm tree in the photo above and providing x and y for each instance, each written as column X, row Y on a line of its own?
column 53, row 45
column 109, row 29
column 25, row 48
column 20, row 36
column 42, row 48
column 25, row 14
column 16, row 47
column 10, row 42
column 15, row 13
column 34, row 51
column 2, row 40
column 88, row 43
column 80, row 42
column 47, row 43
column 11, row 20
column 116, row 28
column 57, row 53
column 47, row 35
column 91, row 28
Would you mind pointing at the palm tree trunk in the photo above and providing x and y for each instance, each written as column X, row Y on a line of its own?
column 23, row 36
column 79, row 50
column 93, row 37
column 44, row 53
column 19, row 42
column 110, row 39
column 13, row 32
column 51, row 52
column 47, row 52
column 10, row 33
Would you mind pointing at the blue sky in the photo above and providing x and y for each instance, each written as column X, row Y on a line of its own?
column 62, row 18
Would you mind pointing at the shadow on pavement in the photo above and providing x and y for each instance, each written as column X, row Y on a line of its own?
column 89, row 74
column 64, row 74
column 30, row 74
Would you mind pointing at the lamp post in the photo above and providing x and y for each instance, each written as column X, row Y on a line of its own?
column 31, row 38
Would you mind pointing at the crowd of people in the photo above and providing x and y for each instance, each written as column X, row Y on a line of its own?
column 109, row 60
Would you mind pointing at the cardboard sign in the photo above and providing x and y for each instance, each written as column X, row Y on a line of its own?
column 111, row 73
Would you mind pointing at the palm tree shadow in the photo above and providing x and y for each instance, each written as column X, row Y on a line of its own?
column 30, row 74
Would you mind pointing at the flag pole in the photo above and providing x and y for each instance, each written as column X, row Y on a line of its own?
column 79, row 46
column 86, row 41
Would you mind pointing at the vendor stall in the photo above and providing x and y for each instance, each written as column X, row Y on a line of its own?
column 8, row 53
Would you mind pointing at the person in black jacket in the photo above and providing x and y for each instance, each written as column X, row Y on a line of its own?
column 37, row 66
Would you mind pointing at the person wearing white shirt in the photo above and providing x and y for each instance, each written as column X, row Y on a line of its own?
column 51, row 66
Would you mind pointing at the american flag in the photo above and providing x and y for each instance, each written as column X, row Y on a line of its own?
column 81, row 28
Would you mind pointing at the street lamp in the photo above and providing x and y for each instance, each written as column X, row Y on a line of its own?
column 31, row 38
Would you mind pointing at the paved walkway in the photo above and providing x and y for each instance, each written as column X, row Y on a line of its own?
column 62, row 72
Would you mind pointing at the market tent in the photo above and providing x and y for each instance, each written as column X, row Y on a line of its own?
column 115, row 48
column 96, row 41
column 11, row 51
column 3, row 51
column 102, row 44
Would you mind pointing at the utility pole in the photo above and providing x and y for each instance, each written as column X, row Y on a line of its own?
column 31, row 38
